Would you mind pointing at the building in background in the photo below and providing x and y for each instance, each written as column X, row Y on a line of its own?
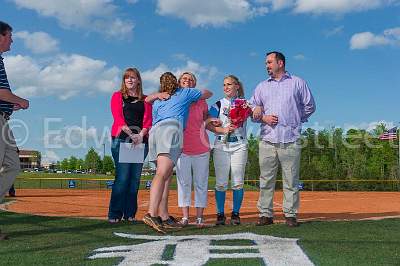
column 30, row 159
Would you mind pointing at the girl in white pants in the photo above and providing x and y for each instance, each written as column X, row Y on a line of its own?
column 230, row 151
column 195, row 157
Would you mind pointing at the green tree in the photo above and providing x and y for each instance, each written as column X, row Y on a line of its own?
column 108, row 164
column 58, row 165
column 252, row 166
column 93, row 161
column 73, row 161
column 309, row 154
column 80, row 164
column 64, row 164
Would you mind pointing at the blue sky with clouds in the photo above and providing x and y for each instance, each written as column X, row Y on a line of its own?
column 68, row 56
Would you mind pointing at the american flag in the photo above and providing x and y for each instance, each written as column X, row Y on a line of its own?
column 389, row 134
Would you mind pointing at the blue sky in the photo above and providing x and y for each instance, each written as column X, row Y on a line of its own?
column 68, row 57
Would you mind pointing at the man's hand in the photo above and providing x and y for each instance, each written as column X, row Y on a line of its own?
column 23, row 104
column 271, row 120
column 257, row 113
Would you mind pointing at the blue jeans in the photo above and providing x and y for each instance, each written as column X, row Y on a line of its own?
column 123, row 202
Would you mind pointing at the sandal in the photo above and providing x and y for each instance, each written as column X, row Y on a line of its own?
column 200, row 222
column 114, row 221
column 184, row 221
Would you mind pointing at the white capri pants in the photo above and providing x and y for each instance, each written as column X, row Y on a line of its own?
column 233, row 160
column 199, row 164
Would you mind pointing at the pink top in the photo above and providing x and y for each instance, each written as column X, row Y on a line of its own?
column 118, row 114
column 195, row 138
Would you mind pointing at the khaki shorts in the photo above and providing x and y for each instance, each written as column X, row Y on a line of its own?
column 166, row 138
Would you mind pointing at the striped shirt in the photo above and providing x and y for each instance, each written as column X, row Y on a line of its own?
column 6, row 107
column 291, row 100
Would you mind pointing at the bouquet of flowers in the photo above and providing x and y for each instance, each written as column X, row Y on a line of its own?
column 239, row 111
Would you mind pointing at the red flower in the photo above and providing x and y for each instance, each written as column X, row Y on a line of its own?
column 239, row 112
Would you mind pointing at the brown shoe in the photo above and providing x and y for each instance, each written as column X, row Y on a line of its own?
column 171, row 223
column 263, row 220
column 291, row 221
column 154, row 222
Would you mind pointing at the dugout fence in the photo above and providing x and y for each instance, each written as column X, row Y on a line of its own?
column 308, row 185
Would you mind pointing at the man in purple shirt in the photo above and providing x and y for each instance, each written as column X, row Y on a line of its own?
column 283, row 102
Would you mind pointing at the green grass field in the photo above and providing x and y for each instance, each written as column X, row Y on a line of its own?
column 39, row 240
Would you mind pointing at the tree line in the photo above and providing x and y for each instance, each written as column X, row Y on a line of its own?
column 330, row 154
column 91, row 163
column 333, row 154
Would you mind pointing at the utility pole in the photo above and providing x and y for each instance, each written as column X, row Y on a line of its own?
column 104, row 150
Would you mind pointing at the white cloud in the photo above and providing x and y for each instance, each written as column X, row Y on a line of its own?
column 393, row 33
column 50, row 156
column 327, row 6
column 74, row 137
column 224, row 12
column 38, row 42
column 204, row 74
column 132, row 1
column 210, row 12
column 91, row 15
column 334, row 31
column 64, row 76
column 181, row 57
column 364, row 40
column 151, row 78
column 277, row 4
column 299, row 57
column 338, row 6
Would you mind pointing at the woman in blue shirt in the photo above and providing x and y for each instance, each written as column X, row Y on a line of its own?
column 170, row 112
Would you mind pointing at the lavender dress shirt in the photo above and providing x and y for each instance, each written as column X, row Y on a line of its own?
column 291, row 100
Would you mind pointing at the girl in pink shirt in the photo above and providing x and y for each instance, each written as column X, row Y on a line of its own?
column 195, row 157
column 132, row 121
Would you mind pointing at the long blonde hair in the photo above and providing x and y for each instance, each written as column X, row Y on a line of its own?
column 238, row 82
column 139, row 90
column 168, row 83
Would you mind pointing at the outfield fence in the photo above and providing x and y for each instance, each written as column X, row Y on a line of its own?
column 340, row 185
column 309, row 185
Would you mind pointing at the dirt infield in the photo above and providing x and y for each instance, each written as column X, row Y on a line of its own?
column 314, row 205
